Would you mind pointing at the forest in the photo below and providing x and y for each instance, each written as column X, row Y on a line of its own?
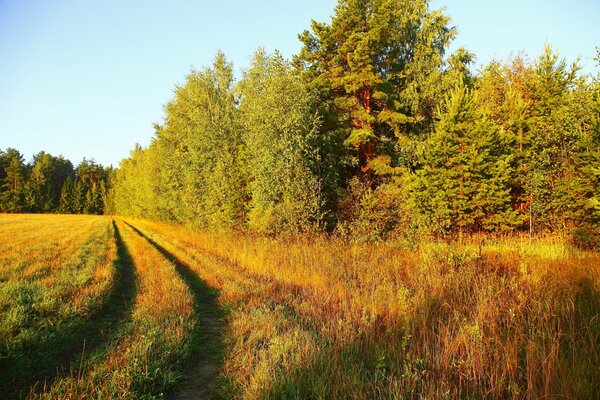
column 375, row 217
column 371, row 132
column 50, row 184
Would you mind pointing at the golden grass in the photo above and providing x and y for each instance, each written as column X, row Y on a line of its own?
column 51, row 268
column 55, row 272
column 321, row 318
column 144, row 360
column 310, row 317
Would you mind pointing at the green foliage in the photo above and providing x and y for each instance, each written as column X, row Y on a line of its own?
column 280, row 125
column 378, row 68
column 218, row 163
column 213, row 184
column 51, row 184
column 545, row 114
column 12, row 197
column 192, row 172
column 66, row 199
column 373, row 215
column 515, row 147
column 463, row 185
column 560, row 126
column 372, row 131
column 47, row 175
column 133, row 191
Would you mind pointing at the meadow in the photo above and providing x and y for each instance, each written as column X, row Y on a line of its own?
column 101, row 307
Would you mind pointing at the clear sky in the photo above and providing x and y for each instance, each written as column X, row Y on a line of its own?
column 88, row 78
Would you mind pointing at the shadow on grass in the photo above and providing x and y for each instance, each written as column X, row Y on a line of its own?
column 63, row 347
column 377, row 365
column 201, row 372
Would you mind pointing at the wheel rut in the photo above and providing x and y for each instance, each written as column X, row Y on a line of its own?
column 202, row 372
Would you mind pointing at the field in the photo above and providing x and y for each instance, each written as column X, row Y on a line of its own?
column 100, row 307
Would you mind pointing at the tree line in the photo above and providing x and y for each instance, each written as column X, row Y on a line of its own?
column 373, row 131
column 50, row 184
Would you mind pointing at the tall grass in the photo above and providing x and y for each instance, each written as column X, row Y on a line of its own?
column 308, row 317
column 321, row 318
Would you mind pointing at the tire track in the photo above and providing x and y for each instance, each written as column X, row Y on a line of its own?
column 201, row 375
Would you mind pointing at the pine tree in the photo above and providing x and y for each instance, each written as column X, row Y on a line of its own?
column 44, row 183
column 378, row 69
column 66, row 197
column 39, row 193
column 78, row 199
column 12, row 197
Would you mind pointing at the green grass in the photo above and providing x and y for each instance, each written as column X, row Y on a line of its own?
column 48, row 298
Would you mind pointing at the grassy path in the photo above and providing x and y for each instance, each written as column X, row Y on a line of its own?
column 257, row 308
column 203, row 368
column 145, row 356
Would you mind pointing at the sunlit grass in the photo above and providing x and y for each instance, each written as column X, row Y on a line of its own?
column 144, row 360
column 307, row 317
column 54, row 273
column 321, row 318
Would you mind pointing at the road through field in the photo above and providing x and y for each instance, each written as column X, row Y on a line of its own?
column 202, row 372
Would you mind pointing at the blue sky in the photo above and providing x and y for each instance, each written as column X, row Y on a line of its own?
column 89, row 78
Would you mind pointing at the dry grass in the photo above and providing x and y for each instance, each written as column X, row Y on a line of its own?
column 309, row 317
column 320, row 318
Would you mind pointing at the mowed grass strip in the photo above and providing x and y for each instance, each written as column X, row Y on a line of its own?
column 321, row 318
column 32, row 246
column 146, row 359
column 54, row 277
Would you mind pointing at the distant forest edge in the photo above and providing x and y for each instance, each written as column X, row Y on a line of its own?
column 51, row 184
column 372, row 131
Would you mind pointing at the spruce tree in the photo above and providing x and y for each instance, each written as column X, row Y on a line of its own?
column 463, row 186
column 559, row 125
